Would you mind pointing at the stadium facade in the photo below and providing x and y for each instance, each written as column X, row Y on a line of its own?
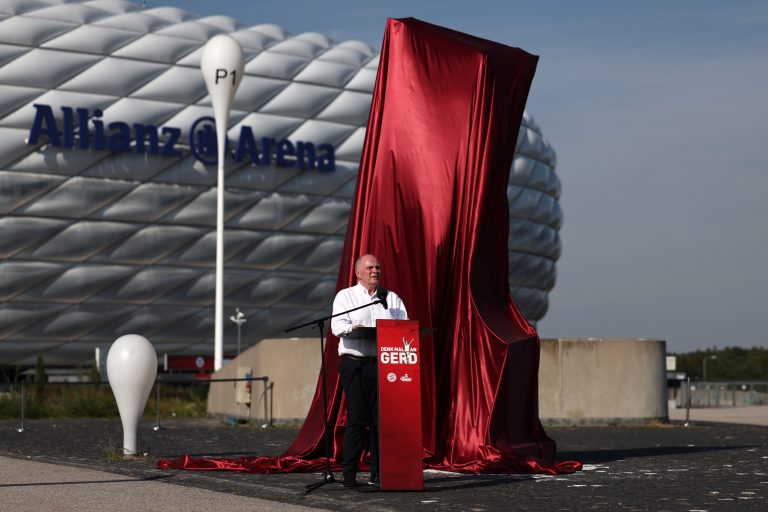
column 107, row 204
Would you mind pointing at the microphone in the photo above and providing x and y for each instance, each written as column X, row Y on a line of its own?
column 381, row 294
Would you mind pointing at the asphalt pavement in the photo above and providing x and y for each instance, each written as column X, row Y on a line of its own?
column 742, row 415
column 71, row 465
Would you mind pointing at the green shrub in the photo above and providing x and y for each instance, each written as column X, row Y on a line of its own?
column 62, row 400
column 175, row 401
column 10, row 405
column 39, row 376
column 88, row 402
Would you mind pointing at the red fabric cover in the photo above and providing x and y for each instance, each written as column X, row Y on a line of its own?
column 431, row 204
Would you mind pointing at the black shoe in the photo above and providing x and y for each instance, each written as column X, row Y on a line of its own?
column 350, row 479
column 374, row 480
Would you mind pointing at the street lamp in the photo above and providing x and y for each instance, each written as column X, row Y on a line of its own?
column 222, row 66
column 239, row 319
column 704, row 367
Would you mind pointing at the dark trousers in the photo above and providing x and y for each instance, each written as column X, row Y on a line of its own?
column 359, row 380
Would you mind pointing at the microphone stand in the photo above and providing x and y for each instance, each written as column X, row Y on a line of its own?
column 320, row 322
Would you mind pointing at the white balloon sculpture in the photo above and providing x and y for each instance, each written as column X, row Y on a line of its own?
column 131, row 370
column 222, row 65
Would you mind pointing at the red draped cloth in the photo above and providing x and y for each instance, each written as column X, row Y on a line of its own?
column 431, row 204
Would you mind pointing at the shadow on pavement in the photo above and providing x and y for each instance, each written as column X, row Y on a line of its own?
column 82, row 482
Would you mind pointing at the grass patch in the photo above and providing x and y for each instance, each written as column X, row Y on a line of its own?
column 113, row 452
column 54, row 400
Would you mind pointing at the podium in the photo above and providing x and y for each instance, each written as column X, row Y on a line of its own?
column 399, row 371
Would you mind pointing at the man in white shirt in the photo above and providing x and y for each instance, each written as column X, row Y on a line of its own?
column 357, row 366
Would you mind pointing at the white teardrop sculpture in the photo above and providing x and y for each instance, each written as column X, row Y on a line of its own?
column 131, row 370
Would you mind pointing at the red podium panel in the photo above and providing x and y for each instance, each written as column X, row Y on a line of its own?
column 400, row 449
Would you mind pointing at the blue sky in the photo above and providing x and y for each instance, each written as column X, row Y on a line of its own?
column 658, row 112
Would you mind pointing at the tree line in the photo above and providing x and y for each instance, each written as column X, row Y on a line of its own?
column 729, row 363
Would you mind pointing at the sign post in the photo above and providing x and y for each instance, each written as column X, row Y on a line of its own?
column 222, row 65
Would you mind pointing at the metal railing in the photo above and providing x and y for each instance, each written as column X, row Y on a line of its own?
column 266, row 395
column 698, row 394
column 267, row 419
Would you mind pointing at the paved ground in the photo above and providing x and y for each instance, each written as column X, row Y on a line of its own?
column 706, row 466
column 744, row 415
column 35, row 486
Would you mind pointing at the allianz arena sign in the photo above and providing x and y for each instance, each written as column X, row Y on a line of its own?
column 150, row 139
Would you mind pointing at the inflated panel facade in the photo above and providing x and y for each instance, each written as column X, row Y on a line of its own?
column 107, row 215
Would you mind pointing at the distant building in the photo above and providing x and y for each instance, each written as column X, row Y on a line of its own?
column 107, row 213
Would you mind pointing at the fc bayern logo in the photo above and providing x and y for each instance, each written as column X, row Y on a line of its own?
column 391, row 377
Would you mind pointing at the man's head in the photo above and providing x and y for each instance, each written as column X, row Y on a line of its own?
column 368, row 271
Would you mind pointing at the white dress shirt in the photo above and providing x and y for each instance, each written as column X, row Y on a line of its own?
column 341, row 326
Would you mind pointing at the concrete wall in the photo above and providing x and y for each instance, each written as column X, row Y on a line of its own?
column 602, row 381
column 292, row 366
column 581, row 381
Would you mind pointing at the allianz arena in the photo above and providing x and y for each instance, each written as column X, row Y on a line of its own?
column 108, row 216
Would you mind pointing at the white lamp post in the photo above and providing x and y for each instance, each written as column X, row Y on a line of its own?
column 131, row 370
column 222, row 65
column 239, row 319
